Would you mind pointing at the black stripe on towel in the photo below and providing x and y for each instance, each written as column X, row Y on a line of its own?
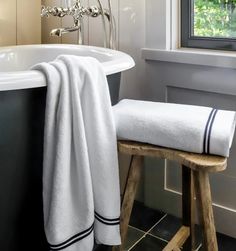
column 72, row 240
column 106, row 221
column 207, row 132
column 210, row 129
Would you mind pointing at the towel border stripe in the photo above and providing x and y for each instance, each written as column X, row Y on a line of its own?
column 107, row 219
column 210, row 130
column 206, row 132
column 73, row 239
column 107, row 223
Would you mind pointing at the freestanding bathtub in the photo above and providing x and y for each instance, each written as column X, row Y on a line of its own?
column 22, row 106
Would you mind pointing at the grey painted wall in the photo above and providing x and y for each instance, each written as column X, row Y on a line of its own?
column 195, row 85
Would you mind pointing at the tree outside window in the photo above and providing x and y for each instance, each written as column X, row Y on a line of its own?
column 215, row 18
column 209, row 24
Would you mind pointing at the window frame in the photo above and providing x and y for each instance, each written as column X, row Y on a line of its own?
column 187, row 40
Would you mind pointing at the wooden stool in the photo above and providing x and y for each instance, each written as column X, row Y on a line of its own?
column 195, row 176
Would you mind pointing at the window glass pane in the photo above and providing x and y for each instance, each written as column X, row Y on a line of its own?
column 214, row 18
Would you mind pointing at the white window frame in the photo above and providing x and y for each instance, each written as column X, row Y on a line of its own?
column 163, row 39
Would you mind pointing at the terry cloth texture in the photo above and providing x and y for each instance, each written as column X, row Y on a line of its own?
column 81, row 193
column 185, row 127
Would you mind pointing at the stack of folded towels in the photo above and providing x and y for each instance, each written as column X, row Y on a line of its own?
column 184, row 127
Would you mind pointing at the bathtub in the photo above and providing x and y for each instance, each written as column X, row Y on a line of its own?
column 16, row 61
column 22, row 106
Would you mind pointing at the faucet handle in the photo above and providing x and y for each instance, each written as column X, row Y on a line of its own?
column 94, row 11
column 44, row 11
column 54, row 11
column 59, row 11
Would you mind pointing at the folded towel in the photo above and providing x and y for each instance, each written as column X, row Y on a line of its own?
column 80, row 171
column 184, row 127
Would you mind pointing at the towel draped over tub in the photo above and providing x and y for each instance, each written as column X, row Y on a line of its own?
column 80, row 171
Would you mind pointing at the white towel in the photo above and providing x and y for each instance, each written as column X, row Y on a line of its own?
column 80, row 174
column 184, row 127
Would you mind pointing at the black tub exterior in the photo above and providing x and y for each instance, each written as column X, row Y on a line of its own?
column 21, row 156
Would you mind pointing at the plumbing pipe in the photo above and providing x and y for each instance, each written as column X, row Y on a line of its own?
column 104, row 24
column 111, row 27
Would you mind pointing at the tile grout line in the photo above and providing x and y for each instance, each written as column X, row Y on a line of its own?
column 136, row 243
column 140, row 230
column 162, row 218
column 198, row 248
column 152, row 235
column 145, row 233
column 159, row 238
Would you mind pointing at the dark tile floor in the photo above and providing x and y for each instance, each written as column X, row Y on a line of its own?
column 150, row 230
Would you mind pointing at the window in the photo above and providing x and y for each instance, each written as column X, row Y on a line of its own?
column 208, row 24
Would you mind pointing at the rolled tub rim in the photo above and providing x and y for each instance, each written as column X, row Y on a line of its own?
column 16, row 80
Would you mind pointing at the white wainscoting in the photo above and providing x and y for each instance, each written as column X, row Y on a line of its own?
column 195, row 85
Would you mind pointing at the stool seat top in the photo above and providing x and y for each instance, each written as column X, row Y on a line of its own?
column 197, row 162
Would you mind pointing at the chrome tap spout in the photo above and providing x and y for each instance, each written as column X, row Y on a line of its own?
column 60, row 31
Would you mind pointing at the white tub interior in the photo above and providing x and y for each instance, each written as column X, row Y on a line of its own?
column 16, row 61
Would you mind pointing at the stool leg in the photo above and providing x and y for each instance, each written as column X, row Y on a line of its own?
column 188, row 207
column 203, row 195
column 132, row 182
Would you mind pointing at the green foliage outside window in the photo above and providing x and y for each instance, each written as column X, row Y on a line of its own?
column 215, row 18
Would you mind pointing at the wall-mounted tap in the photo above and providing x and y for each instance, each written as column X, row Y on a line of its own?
column 78, row 12
column 60, row 31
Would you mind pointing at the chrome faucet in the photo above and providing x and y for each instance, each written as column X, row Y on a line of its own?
column 78, row 12
column 60, row 31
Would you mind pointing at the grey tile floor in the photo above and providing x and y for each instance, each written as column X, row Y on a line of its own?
column 150, row 230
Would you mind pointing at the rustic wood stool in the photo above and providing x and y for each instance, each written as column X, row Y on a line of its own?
column 195, row 177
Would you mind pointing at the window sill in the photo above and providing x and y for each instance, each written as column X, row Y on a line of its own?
column 213, row 58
